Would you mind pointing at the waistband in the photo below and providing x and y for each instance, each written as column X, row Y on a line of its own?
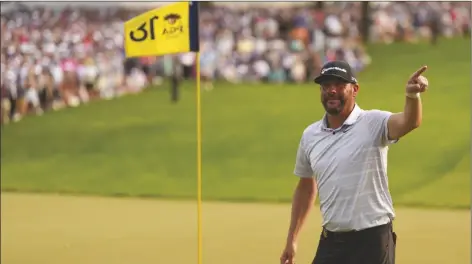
column 326, row 233
column 381, row 221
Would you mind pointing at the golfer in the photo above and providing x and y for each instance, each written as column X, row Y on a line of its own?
column 343, row 159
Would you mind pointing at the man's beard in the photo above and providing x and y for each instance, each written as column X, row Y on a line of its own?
column 335, row 109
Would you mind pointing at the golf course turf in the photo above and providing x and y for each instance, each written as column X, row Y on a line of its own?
column 53, row 229
column 145, row 146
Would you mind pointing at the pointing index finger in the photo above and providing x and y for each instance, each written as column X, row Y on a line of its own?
column 418, row 72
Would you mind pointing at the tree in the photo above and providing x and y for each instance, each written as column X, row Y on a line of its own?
column 206, row 4
column 365, row 21
column 317, row 5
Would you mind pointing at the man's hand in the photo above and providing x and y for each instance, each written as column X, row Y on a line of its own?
column 403, row 123
column 417, row 83
column 303, row 199
column 288, row 255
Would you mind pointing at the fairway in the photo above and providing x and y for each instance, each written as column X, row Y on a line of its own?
column 50, row 229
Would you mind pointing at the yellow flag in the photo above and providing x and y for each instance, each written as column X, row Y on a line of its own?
column 165, row 30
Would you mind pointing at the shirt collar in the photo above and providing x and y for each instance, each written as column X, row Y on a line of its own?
column 351, row 119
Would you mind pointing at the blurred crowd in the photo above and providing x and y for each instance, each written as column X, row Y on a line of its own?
column 53, row 58
column 410, row 21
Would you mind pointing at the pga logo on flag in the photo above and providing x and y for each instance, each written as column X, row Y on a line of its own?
column 165, row 30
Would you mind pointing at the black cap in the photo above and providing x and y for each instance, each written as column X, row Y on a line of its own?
column 336, row 69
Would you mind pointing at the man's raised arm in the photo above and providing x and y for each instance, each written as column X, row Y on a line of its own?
column 402, row 123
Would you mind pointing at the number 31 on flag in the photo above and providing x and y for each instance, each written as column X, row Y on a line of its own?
column 165, row 30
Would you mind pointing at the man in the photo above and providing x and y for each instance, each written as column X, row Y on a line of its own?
column 176, row 77
column 343, row 158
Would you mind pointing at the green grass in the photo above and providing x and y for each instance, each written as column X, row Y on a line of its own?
column 56, row 229
column 143, row 145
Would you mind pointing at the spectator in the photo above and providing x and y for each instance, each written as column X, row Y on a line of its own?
column 57, row 56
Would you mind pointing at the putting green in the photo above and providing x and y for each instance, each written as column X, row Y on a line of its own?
column 53, row 229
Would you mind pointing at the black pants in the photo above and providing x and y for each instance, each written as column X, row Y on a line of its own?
column 374, row 245
column 187, row 72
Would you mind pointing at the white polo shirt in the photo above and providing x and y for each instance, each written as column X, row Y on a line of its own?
column 350, row 167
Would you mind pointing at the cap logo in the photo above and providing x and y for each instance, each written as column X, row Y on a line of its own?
column 333, row 68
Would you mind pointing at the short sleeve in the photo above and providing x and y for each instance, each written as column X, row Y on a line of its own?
column 378, row 125
column 302, row 163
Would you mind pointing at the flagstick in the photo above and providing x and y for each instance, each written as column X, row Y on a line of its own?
column 199, row 161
